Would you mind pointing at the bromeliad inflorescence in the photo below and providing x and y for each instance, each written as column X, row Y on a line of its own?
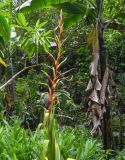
column 53, row 151
column 57, row 63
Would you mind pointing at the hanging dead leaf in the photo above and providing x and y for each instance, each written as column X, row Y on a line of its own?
column 104, row 86
column 90, row 38
column 94, row 86
column 94, row 96
column 95, row 44
column 97, row 117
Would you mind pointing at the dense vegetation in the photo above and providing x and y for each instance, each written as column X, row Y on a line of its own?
column 62, row 66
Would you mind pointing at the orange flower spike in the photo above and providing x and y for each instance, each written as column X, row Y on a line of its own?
column 54, row 98
column 58, row 78
column 49, row 91
column 52, row 57
column 56, row 64
column 59, row 57
column 60, row 24
column 62, row 63
column 57, row 43
column 60, row 18
column 54, row 73
column 51, row 81
column 53, row 89
column 49, row 105
column 61, row 31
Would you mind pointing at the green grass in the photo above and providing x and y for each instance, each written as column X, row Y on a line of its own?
column 16, row 143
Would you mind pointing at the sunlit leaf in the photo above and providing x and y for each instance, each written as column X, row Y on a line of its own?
column 21, row 20
column 32, row 5
column 4, row 28
column 5, row 4
column 2, row 62
column 46, row 142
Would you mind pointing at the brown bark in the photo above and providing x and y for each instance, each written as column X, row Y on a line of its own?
column 106, row 126
column 98, row 100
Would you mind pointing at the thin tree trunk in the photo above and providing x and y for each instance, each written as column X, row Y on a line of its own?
column 13, row 82
column 106, row 121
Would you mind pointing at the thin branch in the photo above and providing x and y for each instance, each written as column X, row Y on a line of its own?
column 17, row 74
column 65, row 117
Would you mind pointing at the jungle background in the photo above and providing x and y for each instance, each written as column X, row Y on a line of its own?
column 89, row 110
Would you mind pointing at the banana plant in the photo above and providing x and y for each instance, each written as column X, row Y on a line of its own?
column 76, row 11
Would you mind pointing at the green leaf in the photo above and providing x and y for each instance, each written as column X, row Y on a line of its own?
column 30, row 50
column 71, row 8
column 5, row 4
column 5, row 14
column 37, row 23
column 21, row 20
column 4, row 28
column 45, row 144
column 72, row 20
column 45, row 73
column 2, row 62
column 57, row 151
column 42, row 24
column 80, row 150
column 33, row 5
column 75, row 11
column 15, row 157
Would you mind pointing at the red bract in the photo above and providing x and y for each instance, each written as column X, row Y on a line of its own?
column 51, row 81
column 56, row 64
column 57, row 43
column 52, row 57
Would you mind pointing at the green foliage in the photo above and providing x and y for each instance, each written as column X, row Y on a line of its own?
column 33, row 38
column 5, row 18
column 50, row 129
column 38, row 4
column 121, row 155
column 21, row 20
column 15, row 142
column 77, row 143
column 4, row 28
column 27, row 97
column 75, row 10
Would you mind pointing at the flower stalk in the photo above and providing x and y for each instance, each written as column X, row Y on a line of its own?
column 53, row 152
column 57, row 63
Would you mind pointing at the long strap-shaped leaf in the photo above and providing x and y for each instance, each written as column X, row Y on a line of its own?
column 53, row 151
column 75, row 11
column 2, row 62
column 31, row 5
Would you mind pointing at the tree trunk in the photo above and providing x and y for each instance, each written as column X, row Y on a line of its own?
column 106, row 121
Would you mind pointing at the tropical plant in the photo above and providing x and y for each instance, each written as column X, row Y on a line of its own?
column 98, row 103
column 53, row 152
column 16, row 143
column 32, row 38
